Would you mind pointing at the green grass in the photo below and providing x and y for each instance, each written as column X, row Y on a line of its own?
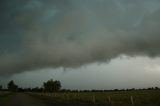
column 121, row 98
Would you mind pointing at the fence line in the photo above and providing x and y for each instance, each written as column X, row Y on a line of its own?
column 94, row 99
column 132, row 101
column 78, row 97
column 109, row 99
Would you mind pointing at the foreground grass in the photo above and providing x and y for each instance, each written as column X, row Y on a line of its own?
column 121, row 98
column 5, row 97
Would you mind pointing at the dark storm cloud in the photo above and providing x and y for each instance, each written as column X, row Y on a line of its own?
column 36, row 34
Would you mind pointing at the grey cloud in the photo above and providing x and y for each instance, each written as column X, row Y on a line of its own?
column 72, row 33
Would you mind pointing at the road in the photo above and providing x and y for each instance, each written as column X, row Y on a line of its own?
column 22, row 99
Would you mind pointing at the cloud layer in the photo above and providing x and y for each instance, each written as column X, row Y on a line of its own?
column 71, row 33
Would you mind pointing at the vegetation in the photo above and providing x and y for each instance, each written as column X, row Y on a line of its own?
column 114, row 98
column 52, row 86
column 52, row 93
column 12, row 86
column 4, row 97
column 1, row 87
column 49, row 86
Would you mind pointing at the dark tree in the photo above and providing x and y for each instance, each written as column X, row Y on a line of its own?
column 12, row 86
column 1, row 87
column 52, row 86
column 156, row 88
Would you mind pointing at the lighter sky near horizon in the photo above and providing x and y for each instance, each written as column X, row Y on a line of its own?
column 121, row 73
column 86, row 44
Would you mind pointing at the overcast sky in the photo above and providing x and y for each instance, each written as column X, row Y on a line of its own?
column 86, row 44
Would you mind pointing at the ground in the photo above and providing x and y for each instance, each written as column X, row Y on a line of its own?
column 22, row 99
column 113, row 98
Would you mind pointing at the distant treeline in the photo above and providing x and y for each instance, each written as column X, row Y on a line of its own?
column 49, row 86
column 114, row 90
column 55, row 86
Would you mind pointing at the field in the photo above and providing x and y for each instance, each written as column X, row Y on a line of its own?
column 118, row 98
column 115, row 98
column 4, row 97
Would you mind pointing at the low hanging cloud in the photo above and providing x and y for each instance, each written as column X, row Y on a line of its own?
column 38, row 34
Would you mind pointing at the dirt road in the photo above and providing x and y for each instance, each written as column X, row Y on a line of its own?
column 22, row 99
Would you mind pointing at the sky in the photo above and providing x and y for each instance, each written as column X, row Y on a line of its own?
column 86, row 44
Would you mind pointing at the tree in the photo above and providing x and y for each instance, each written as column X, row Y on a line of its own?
column 52, row 86
column 12, row 87
column 1, row 87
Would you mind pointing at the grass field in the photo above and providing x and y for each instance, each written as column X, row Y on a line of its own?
column 119, row 98
column 4, row 97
